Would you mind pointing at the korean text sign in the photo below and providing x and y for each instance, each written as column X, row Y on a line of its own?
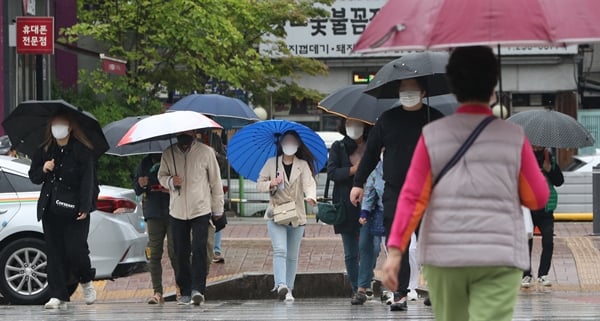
column 35, row 35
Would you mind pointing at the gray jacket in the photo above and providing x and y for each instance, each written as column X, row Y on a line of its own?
column 474, row 215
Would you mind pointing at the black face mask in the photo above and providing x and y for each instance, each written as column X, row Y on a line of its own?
column 184, row 140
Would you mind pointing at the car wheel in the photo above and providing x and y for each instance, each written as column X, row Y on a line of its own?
column 23, row 278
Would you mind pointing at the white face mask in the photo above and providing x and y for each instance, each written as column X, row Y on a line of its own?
column 410, row 98
column 355, row 132
column 60, row 131
column 289, row 149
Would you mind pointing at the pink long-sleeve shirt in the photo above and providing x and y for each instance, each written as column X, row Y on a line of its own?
column 416, row 192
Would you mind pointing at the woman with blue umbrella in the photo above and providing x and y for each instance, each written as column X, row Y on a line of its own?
column 289, row 155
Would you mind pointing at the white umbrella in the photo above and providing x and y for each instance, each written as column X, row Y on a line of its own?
column 164, row 125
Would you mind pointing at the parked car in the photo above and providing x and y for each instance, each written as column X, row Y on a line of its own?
column 117, row 238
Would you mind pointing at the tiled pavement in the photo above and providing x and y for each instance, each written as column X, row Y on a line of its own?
column 247, row 248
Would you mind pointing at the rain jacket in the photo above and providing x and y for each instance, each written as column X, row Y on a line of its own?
column 202, row 190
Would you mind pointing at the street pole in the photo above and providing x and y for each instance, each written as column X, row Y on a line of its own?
column 596, row 199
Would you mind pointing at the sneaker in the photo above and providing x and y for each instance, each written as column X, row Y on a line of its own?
column 386, row 297
column 55, row 303
column 359, row 298
column 544, row 280
column 427, row 302
column 399, row 303
column 89, row 293
column 369, row 294
column 157, row 298
column 185, row 300
column 282, row 291
column 289, row 297
column 197, row 298
column 526, row 282
column 412, row 295
column 218, row 258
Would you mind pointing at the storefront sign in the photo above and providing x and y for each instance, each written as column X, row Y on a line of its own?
column 35, row 35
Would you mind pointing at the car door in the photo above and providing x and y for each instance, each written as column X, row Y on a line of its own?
column 9, row 201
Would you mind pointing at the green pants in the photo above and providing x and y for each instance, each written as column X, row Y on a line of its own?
column 158, row 228
column 473, row 293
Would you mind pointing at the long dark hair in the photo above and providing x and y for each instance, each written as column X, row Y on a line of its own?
column 303, row 151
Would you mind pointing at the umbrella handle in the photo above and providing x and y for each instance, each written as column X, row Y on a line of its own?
column 178, row 188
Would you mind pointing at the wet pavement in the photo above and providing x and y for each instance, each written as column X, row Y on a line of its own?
column 531, row 306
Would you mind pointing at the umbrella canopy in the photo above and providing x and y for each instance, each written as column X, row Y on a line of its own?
column 251, row 147
column 117, row 129
column 352, row 103
column 162, row 126
column 431, row 24
column 27, row 125
column 549, row 128
column 429, row 65
column 227, row 111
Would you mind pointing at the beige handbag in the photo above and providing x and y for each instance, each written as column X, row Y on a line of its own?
column 285, row 213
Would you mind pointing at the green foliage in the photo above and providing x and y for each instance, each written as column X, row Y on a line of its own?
column 181, row 44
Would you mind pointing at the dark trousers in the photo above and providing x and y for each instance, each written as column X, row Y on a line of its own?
column 157, row 229
column 390, row 200
column 67, row 253
column 545, row 222
column 191, row 277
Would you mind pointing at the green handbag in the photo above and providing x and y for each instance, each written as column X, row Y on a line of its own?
column 330, row 213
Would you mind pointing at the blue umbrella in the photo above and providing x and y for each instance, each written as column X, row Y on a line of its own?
column 251, row 147
column 227, row 111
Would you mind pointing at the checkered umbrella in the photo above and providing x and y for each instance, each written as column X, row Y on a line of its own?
column 549, row 128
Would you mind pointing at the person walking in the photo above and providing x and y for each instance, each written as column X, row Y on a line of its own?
column 544, row 218
column 397, row 130
column 190, row 171
column 65, row 165
column 344, row 157
column 470, row 277
column 289, row 177
column 371, row 231
column 155, row 203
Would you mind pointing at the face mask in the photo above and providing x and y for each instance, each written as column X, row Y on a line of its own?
column 184, row 140
column 289, row 149
column 355, row 132
column 410, row 98
column 60, row 131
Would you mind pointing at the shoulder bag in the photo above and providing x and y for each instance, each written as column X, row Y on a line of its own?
column 285, row 213
column 328, row 212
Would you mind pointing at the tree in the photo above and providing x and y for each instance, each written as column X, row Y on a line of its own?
column 183, row 44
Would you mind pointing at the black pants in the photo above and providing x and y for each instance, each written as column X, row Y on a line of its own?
column 67, row 253
column 390, row 200
column 545, row 222
column 191, row 277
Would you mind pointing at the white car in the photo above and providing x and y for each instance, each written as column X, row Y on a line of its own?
column 117, row 238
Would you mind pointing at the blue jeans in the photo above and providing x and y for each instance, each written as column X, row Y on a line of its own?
column 286, row 249
column 350, row 241
column 217, row 246
column 368, row 248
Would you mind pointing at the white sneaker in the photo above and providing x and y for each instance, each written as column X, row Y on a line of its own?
column 544, row 280
column 197, row 298
column 289, row 297
column 55, row 303
column 412, row 295
column 526, row 282
column 282, row 292
column 89, row 293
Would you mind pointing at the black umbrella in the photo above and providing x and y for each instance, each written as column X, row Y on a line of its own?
column 429, row 65
column 117, row 129
column 352, row 103
column 27, row 125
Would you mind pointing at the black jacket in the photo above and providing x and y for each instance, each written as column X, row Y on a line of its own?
column 555, row 175
column 338, row 170
column 74, row 166
column 398, row 131
column 156, row 203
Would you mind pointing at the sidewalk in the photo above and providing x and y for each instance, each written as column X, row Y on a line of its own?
column 247, row 248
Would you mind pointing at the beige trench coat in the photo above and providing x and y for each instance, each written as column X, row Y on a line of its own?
column 300, row 186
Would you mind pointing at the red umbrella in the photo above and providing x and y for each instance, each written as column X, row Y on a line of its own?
column 437, row 24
